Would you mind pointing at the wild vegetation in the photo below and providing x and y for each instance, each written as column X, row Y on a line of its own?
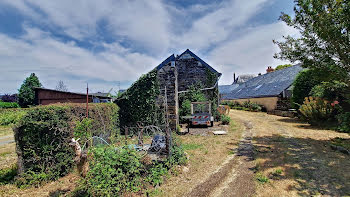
column 11, row 116
column 245, row 106
column 324, row 49
column 43, row 133
column 139, row 102
column 119, row 170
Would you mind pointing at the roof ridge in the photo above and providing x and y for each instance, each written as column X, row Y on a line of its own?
column 199, row 59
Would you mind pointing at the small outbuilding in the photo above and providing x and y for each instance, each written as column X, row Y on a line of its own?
column 45, row 96
column 269, row 90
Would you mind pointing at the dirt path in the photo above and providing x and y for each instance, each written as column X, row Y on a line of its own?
column 301, row 152
column 292, row 158
column 233, row 177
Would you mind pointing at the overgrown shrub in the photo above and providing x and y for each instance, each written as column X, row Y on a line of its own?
column 6, row 105
column 10, row 116
column 333, row 90
column 115, row 171
column 225, row 120
column 7, row 175
column 309, row 78
column 43, row 134
column 344, row 122
column 317, row 111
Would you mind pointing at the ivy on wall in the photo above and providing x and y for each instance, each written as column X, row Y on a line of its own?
column 139, row 102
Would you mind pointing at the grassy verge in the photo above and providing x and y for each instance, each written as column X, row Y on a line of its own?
column 206, row 154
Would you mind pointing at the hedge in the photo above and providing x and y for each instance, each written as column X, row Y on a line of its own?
column 7, row 105
column 43, row 134
column 11, row 116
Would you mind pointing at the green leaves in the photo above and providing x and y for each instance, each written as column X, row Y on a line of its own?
column 26, row 95
column 324, row 29
column 44, row 133
column 138, row 103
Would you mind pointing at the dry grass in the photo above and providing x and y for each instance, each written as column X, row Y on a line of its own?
column 60, row 187
column 8, row 155
column 297, row 158
column 5, row 130
column 206, row 154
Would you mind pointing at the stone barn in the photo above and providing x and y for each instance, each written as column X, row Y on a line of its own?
column 177, row 74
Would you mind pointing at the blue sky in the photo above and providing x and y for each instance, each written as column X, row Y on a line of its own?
column 108, row 42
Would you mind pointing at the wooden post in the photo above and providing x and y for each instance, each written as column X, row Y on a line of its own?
column 87, row 100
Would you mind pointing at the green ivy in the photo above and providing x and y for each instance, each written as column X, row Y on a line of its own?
column 138, row 103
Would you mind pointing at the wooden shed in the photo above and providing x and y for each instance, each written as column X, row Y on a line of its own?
column 45, row 96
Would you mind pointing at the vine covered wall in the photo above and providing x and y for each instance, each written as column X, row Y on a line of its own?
column 139, row 102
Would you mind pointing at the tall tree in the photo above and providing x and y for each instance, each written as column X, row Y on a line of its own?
column 325, row 38
column 61, row 86
column 26, row 95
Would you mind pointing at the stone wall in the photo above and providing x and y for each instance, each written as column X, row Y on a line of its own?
column 167, row 77
column 191, row 72
column 180, row 76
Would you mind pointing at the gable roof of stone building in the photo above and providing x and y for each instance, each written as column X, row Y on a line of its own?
column 173, row 58
column 267, row 85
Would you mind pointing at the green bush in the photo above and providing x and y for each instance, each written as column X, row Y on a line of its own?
column 309, row 78
column 333, row 90
column 344, row 122
column 8, row 117
column 317, row 111
column 6, row 105
column 115, row 171
column 7, row 175
column 43, row 134
column 225, row 120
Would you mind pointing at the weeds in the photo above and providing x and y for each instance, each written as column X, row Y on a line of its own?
column 261, row 178
column 277, row 172
column 7, row 175
column 191, row 146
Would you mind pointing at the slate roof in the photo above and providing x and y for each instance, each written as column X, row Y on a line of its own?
column 269, row 84
column 172, row 58
column 166, row 61
column 225, row 89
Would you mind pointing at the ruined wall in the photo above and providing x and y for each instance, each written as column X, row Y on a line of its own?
column 180, row 75
column 167, row 77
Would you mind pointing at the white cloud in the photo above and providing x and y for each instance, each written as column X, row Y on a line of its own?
column 251, row 53
column 55, row 60
column 219, row 24
column 219, row 32
column 145, row 23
